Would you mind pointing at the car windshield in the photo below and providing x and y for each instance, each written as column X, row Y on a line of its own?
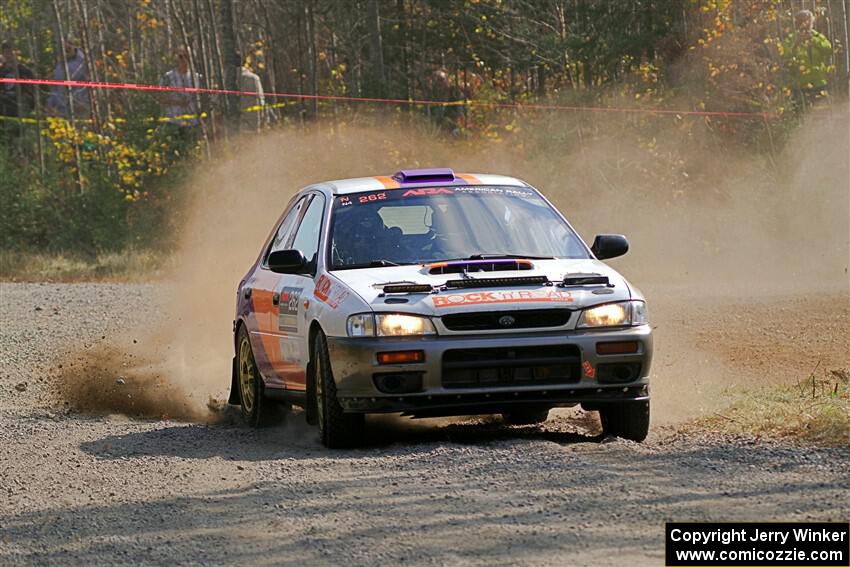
column 432, row 224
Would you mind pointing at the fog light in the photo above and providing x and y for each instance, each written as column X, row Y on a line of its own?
column 617, row 373
column 398, row 383
column 622, row 347
column 401, row 357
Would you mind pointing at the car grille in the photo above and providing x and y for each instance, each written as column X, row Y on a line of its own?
column 494, row 367
column 526, row 319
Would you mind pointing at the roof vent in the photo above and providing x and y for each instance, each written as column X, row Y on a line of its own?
column 434, row 175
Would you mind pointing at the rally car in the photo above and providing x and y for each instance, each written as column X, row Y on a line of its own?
column 434, row 293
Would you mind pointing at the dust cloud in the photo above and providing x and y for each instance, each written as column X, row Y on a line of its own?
column 701, row 220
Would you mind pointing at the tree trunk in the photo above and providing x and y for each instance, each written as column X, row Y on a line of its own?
column 93, row 74
column 377, row 79
column 101, row 23
column 402, row 42
column 231, row 59
column 33, row 45
column 70, row 97
column 219, row 60
column 312, row 58
column 846, row 19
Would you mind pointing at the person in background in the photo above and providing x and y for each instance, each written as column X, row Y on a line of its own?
column 806, row 53
column 252, row 108
column 57, row 102
column 15, row 99
column 445, row 116
column 181, row 108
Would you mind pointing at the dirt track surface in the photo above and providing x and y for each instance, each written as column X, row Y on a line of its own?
column 88, row 489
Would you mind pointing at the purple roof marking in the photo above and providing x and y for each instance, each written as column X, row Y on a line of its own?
column 432, row 175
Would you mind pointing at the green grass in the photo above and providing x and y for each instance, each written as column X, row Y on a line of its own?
column 815, row 410
column 131, row 265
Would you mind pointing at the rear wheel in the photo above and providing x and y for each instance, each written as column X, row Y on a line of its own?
column 526, row 416
column 338, row 430
column 257, row 411
column 629, row 420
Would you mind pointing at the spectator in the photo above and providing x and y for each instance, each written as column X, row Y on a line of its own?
column 15, row 99
column 806, row 54
column 253, row 108
column 181, row 108
column 75, row 65
column 446, row 116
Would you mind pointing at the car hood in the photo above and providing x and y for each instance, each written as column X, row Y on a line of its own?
column 368, row 283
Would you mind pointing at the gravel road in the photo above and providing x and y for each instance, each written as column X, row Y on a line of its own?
column 93, row 488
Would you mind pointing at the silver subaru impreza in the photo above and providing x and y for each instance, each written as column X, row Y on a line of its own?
column 434, row 293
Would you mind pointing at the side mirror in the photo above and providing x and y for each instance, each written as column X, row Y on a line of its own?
column 287, row 261
column 609, row 246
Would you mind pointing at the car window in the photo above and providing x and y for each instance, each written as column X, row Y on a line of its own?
column 307, row 235
column 285, row 230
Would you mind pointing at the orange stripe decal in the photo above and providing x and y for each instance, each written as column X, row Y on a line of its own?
column 471, row 179
column 388, row 182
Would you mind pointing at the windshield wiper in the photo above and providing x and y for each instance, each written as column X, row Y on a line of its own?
column 381, row 263
column 500, row 257
column 373, row 264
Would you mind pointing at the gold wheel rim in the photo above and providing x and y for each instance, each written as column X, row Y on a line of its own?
column 247, row 375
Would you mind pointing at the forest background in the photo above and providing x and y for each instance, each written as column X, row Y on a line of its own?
column 113, row 184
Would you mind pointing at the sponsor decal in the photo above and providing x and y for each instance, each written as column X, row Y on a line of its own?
column 510, row 191
column 589, row 370
column 513, row 296
column 326, row 292
column 323, row 287
column 427, row 191
column 287, row 317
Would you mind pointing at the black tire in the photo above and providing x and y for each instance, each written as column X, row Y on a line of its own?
column 311, row 412
column 526, row 416
column 256, row 409
column 338, row 430
column 628, row 420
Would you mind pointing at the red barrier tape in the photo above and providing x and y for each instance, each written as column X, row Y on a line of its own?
column 198, row 90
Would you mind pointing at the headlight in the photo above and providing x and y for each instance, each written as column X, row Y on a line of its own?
column 389, row 325
column 626, row 313
column 394, row 325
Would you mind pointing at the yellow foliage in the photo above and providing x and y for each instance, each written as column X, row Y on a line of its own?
column 132, row 165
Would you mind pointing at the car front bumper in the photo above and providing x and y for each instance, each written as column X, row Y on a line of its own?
column 355, row 367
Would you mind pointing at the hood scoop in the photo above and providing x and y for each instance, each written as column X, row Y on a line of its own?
column 585, row 279
column 495, row 265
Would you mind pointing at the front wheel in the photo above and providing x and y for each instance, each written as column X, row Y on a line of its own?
column 629, row 420
column 338, row 430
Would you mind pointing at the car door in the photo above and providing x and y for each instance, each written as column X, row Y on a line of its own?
column 294, row 293
column 268, row 339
